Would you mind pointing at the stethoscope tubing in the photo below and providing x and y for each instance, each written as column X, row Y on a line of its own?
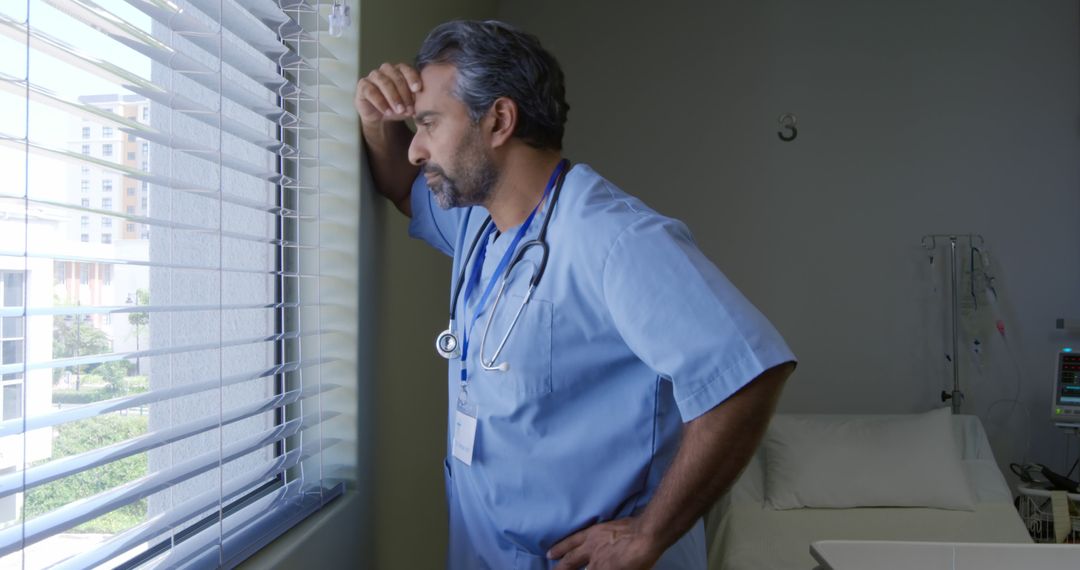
column 534, row 281
column 489, row 364
column 541, row 239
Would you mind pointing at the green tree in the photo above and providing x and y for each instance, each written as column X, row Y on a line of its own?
column 77, row 338
column 114, row 373
column 139, row 320
column 82, row 436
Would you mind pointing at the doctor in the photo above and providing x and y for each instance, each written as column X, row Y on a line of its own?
column 607, row 383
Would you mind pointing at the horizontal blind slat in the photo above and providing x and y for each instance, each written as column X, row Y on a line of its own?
column 179, row 514
column 122, row 78
column 41, row 95
column 61, row 256
column 78, row 158
column 261, row 30
column 76, row 513
column 243, row 538
column 82, row 159
column 120, row 309
column 199, row 551
column 110, row 357
column 85, row 411
column 155, row 222
column 124, row 33
column 66, row 466
column 174, row 18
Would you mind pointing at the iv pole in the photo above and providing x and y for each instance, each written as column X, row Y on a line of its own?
column 956, row 398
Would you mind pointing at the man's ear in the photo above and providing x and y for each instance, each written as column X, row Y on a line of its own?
column 504, row 115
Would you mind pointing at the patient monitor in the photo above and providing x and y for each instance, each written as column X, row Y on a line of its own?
column 1065, row 409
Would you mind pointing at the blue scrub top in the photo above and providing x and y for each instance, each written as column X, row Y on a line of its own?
column 631, row 332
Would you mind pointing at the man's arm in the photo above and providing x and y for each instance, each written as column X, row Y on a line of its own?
column 715, row 447
column 384, row 99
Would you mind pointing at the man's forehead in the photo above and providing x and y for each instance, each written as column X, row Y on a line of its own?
column 438, row 88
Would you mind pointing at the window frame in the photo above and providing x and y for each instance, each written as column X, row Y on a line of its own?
column 284, row 282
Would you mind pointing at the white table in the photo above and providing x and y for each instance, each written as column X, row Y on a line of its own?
column 889, row 555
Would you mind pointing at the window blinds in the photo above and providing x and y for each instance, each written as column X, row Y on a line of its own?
column 170, row 339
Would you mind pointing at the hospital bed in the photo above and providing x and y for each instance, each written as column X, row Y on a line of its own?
column 825, row 478
column 897, row 555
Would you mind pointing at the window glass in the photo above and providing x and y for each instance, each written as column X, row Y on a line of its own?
column 13, row 404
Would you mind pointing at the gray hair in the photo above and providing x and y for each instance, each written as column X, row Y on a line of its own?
column 493, row 59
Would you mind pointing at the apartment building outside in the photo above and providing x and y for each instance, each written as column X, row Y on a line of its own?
column 110, row 204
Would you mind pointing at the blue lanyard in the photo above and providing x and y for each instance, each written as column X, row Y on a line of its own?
column 478, row 264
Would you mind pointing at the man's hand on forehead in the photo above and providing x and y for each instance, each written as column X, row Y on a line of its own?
column 387, row 93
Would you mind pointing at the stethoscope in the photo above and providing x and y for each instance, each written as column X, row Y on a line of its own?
column 447, row 343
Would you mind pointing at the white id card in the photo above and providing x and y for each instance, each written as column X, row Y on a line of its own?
column 464, row 436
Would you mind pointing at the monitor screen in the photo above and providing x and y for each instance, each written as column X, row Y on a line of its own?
column 1067, row 387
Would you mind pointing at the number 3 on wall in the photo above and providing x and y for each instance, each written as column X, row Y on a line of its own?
column 787, row 122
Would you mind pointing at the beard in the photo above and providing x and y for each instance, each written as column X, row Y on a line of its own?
column 472, row 182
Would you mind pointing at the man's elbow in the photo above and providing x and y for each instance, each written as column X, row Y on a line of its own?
column 768, row 384
column 760, row 396
column 774, row 378
column 751, row 405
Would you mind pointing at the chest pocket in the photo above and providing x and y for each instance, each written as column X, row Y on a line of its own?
column 527, row 352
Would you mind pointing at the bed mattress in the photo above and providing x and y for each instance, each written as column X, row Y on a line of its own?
column 743, row 534
column 752, row 537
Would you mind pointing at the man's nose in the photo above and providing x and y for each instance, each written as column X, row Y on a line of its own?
column 418, row 154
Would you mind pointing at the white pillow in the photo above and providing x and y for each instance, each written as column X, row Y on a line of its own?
column 833, row 461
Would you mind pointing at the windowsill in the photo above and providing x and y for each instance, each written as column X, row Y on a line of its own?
column 331, row 538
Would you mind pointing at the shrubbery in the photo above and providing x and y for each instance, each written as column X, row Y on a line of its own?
column 84, row 396
column 82, row 436
column 94, row 390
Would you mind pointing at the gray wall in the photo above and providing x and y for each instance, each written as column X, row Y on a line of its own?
column 914, row 117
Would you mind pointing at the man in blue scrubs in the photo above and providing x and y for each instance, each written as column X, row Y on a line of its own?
column 636, row 382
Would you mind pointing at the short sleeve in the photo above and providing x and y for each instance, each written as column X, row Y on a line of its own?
column 431, row 223
column 684, row 319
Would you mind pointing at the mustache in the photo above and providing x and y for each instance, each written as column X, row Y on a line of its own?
column 429, row 169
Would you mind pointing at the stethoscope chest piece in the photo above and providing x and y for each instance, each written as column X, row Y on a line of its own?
column 447, row 344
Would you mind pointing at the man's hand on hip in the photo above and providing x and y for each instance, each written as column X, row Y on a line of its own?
column 607, row 546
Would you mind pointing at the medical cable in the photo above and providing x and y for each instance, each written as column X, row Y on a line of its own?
column 1075, row 463
column 999, row 324
column 990, row 292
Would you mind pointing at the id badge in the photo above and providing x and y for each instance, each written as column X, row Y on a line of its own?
column 464, row 429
